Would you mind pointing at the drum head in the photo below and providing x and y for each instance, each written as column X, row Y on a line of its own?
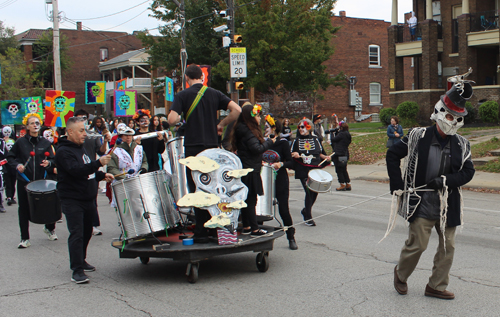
column 43, row 185
column 320, row 176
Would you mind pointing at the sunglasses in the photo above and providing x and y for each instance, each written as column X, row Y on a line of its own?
column 302, row 126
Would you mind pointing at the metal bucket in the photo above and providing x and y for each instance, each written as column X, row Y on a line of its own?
column 265, row 204
column 179, row 178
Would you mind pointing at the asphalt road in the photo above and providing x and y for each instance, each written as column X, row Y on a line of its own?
column 340, row 269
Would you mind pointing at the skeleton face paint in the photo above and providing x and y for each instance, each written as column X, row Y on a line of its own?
column 268, row 130
column 49, row 135
column 442, row 116
column 60, row 103
column 7, row 131
column 228, row 189
column 33, row 125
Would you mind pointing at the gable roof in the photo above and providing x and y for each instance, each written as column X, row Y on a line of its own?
column 137, row 57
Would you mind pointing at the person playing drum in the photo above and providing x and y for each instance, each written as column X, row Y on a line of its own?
column 249, row 144
column 127, row 155
column 307, row 153
column 27, row 156
column 282, row 184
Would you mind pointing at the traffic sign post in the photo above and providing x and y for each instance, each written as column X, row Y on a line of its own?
column 238, row 61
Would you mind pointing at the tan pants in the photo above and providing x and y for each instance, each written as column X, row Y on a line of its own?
column 415, row 245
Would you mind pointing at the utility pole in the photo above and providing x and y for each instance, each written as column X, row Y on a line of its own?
column 235, row 95
column 56, row 51
column 182, row 10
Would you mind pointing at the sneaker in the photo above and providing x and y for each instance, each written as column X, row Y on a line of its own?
column 96, row 232
column 24, row 244
column 14, row 201
column 246, row 231
column 310, row 223
column 259, row 232
column 2, row 209
column 52, row 234
column 79, row 278
column 87, row 267
column 9, row 201
column 60, row 220
column 303, row 215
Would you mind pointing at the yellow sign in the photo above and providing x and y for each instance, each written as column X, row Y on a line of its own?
column 392, row 85
column 237, row 50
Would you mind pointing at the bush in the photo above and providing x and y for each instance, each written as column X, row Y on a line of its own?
column 488, row 111
column 407, row 112
column 471, row 113
column 385, row 115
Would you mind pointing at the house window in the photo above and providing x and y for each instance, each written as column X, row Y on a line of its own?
column 375, row 97
column 374, row 55
column 104, row 54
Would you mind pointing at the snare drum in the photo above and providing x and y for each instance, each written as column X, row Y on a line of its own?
column 319, row 181
column 44, row 204
column 265, row 204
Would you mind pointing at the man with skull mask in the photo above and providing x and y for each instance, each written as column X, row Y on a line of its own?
column 9, row 174
column 437, row 164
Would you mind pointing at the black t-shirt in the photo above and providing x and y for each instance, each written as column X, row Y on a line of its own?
column 201, row 127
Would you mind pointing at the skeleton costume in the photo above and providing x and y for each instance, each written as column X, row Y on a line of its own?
column 427, row 192
column 9, row 174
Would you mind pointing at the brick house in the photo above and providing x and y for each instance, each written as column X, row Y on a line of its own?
column 360, row 51
column 87, row 50
column 452, row 35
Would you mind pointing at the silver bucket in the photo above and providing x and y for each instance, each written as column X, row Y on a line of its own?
column 265, row 204
column 179, row 178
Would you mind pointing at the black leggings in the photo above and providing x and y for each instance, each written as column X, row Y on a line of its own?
column 309, row 200
column 341, row 171
column 282, row 195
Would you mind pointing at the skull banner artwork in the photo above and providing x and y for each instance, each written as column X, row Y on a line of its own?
column 13, row 111
column 125, row 103
column 59, row 107
column 33, row 105
column 120, row 84
column 95, row 92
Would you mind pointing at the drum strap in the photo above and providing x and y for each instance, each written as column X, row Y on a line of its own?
column 200, row 94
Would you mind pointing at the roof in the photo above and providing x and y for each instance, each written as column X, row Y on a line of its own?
column 31, row 34
column 137, row 57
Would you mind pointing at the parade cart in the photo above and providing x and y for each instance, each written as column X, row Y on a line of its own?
column 172, row 247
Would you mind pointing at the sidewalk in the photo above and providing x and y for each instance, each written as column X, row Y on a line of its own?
column 378, row 172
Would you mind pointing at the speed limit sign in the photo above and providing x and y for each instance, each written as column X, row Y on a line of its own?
column 238, row 60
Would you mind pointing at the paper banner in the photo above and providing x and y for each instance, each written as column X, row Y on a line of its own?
column 207, row 70
column 169, row 89
column 125, row 103
column 95, row 92
column 59, row 107
column 33, row 105
column 121, row 84
column 13, row 111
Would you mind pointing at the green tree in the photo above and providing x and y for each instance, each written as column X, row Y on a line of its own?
column 7, row 38
column 42, row 52
column 18, row 79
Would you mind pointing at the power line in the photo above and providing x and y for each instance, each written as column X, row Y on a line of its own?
column 126, row 21
column 105, row 16
column 7, row 3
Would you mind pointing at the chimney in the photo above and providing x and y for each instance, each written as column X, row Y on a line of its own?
column 79, row 26
column 342, row 13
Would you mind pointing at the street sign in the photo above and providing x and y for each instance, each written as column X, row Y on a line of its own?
column 238, row 60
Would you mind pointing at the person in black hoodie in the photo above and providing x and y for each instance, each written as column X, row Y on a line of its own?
column 30, row 168
column 78, row 178
column 249, row 144
column 340, row 144
column 282, row 183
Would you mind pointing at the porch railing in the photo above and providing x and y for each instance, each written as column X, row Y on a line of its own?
column 484, row 21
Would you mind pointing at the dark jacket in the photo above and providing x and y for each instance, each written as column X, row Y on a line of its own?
column 341, row 143
column 249, row 147
column 77, row 174
column 20, row 153
column 152, row 147
column 459, row 176
column 392, row 129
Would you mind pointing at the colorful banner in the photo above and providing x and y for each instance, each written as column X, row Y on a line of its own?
column 169, row 89
column 207, row 70
column 13, row 111
column 59, row 107
column 33, row 105
column 125, row 103
column 121, row 84
column 95, row 92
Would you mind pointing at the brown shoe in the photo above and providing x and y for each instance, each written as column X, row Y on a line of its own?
column 347, row 186
column 429, row 291
column 401, row 288
column 341, row 188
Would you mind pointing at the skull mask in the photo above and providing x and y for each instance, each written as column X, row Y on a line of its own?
column 124, row 102
column 49, row 135
column 449, row 127
column 9, row 144
column 33, row 107
column 60, row 103
column 13, row 109
column 96, row 91
column 6, row 131
column 217, row 182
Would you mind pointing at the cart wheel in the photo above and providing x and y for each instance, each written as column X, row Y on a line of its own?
column 262, row 261
column 193, row 272
column 144, row 260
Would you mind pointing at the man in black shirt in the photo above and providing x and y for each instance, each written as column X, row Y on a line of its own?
column 201, row 128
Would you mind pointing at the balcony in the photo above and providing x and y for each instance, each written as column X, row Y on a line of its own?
column 484, row 29
column 404, row 34
column 140, row 84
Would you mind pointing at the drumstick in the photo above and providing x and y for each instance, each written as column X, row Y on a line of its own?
column 130, row 172
column 148, row 135
column 326, row 159
column 47, row 154
column 32, row 154
column 117, row 142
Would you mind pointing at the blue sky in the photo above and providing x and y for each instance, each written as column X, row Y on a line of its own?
column 26, row 14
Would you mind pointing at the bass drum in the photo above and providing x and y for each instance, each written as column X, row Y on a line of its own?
column 265, row 204
column 319, row 181
column 45, row 207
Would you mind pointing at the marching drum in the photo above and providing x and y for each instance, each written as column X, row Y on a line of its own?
column 265, row 204
column 143, row 205
column 319, row 181
column 164, row 183
column 44, row 204
column 179, row 178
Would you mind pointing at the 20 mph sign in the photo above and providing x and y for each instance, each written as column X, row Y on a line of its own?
column 238, row 60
